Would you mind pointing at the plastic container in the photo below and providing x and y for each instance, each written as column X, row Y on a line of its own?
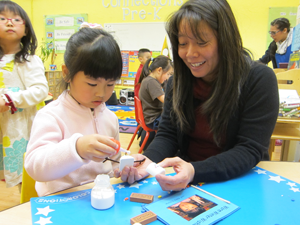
column 103, row 193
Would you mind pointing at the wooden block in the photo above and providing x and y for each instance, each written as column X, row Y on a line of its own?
column 144, row 218
column 137, row 197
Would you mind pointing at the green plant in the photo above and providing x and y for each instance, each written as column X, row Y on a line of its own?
column 45, row 51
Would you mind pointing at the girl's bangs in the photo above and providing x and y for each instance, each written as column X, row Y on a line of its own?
column 11, row 8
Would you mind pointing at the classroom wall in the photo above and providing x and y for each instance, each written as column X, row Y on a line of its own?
column 251, row 15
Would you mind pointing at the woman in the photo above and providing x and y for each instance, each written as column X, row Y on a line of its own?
column 280, row 49
column 220, row 107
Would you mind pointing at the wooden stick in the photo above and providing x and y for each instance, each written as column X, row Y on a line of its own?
column 211, row 194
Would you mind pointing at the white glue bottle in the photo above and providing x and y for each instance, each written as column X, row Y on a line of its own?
column 103, row 193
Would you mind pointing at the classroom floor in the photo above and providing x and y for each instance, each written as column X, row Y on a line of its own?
column 10, row 197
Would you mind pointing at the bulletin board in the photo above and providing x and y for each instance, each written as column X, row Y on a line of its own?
column 59, row 28
column 131, row 62
column 277, row 12
column 133, row 36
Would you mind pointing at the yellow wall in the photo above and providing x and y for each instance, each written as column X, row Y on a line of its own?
column 251, row 15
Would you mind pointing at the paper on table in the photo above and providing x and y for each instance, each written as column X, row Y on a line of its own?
column 288, row 96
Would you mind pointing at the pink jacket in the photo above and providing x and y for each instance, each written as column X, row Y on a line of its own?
column 51, row 157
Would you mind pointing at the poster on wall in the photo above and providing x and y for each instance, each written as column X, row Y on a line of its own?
column 278, row 12
column 59, row 28
column 131, row 62
column 296, row 39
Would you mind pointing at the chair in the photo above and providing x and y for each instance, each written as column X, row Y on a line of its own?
column 284, row 78
column 28, row 186
column 279, row 70
column 286, row 129
column 141, row 121
column 138, row 127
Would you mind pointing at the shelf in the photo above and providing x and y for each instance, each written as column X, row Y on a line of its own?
column 286, row 131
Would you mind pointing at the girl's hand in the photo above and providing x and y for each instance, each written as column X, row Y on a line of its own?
column 3, row 107
column 135, row 172
column 185, row 173
column 95, row 147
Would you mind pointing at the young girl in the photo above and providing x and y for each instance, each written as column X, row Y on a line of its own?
column 71, row 136
column 151, row 94
column 22, row 86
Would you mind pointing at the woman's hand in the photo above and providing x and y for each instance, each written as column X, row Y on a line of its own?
column 135, row 172
column 184, row 174
column 95, row 147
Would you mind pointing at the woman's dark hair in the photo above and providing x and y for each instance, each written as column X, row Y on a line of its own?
column 233, row 66
column 281, row 24
column 160, row 61
column 95, row 52
column 28, row 42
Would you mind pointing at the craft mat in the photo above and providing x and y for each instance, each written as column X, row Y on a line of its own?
column 126, row 116
column 263, row 197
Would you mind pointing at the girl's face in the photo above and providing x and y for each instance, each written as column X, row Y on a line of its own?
column 201, row 57
column 166, row 75
column 90, row 92
column 187, row 207
column 10, row 32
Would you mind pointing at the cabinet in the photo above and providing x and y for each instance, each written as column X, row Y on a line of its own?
column 54, row 78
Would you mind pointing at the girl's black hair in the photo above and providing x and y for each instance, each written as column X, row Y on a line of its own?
column 160, row 61
column 95, row 52
column 28, row 42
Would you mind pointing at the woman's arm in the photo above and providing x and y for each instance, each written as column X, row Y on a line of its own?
column 267, row 57
column 248, row 135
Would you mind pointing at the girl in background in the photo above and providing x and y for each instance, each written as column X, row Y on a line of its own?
column 155, row 72
column 151, row 94
column 71, row 136
column 22, row 86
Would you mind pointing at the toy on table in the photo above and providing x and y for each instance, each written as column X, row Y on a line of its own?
column 144, row 218
column 138, row 197
column 126, row 160
column 155, row 169
column 103, row 194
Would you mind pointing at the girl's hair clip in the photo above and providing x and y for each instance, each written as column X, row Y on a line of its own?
column 91, row 25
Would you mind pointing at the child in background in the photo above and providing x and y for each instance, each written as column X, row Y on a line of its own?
column 143, row 55
column 71, row 136
column 22, row 86
column 152, row 94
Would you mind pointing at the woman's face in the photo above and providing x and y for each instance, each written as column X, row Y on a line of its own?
column 201, row 57
column 187, row 207
column 277, row 34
